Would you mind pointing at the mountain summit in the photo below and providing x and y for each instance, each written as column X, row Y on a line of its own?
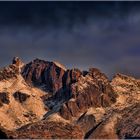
column 43, row 99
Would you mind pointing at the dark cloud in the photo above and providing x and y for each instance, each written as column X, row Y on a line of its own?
column 81, row 34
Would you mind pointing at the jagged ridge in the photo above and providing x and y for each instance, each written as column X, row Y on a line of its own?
column 84, row 102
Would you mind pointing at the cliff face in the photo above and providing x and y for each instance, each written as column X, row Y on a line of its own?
column 79, row 90
column 43, row 99
column 47, row 75
column 90, row 90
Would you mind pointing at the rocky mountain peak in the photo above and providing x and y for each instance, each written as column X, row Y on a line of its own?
column 12, row 70
column 45, row 74
column 56, row 102
column 17, row 61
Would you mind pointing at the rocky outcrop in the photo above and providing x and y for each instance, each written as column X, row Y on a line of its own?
column 123, row 84
column 118, row 124
column 128, row 101
column 12, row 70
column 91, row 90
column 8, row 72
column 19, row 103
column 86, row 122
column 47, row 75
column 121, row 120
column 129, row 126
column 70, row 77
column 49, row 130
column 17, row 62
column 21, row 97
column 127, row 88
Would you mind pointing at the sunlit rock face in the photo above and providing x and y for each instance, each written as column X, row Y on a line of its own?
column 20, row 104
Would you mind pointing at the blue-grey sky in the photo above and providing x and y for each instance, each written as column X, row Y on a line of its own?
column 105, row 35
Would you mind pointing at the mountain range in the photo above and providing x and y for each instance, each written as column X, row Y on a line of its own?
column 43, row 99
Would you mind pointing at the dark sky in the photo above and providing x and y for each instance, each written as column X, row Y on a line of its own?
column 105, row 35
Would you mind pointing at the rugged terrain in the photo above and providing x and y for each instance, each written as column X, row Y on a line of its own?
column 43, row 99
